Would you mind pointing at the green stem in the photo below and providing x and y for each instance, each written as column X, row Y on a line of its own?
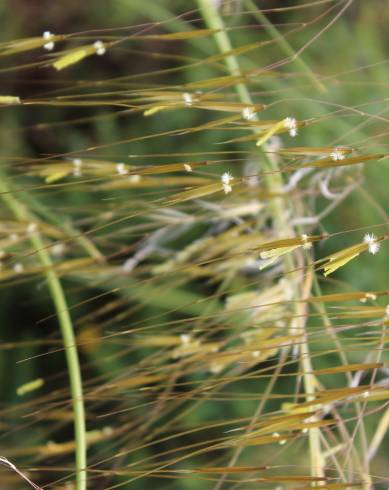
column 273, row 181
column 214, row 21
column 272, row 177
column 57, row 294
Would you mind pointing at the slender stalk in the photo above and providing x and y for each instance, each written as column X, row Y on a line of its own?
column 274, row 183
column 321, row 309
column 272, row 179
column 65, row 322
column 214, row 21
column 379, row 435
column 310, row 384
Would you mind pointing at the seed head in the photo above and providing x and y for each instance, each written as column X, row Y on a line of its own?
column 31, row 228
column 306, row 243
column 337, row 154
column 226, row 179
column 99, row 47
column 58, row 250
column 185, row 338
column 188, row 99
column 121, row 169
column 18, row 268
column 373, row 245
column 290, row 123
column 249, row 114
column 50, row 44
column 77, row 164
column 135, row 179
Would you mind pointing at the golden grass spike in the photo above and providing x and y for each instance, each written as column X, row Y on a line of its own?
column 196, row 193
column 314, row 151
column 361, row 312
column 361, row 296
column 330, row 162
column 334, row 486
column 168, row 167
column 335, row 264
column 56, row 176
column 158, row 341
column 180, row 36
column 70, row 59
column 135, row 381
column 274, row 253
column 213, row 124
column 259, row 440
column 154, row 110
column 271, row 251
column 375, row 395
column 73, row 56
column 224, row 469
column 270, row 256
column 236, row 51
column 227, row 106
column 225, row 81
column 349, row 368
column 294, row 408
column 341, row 258
column 27, row 44
column 273, row 130
column 54, row 448
column 30, row 386
column 9, row 100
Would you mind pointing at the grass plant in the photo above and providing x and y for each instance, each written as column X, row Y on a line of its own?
column 193, row 248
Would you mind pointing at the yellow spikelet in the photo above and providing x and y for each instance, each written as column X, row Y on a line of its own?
column 73, row 57
column 9, row 99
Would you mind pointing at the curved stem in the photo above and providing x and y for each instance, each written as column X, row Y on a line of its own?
column 65, row 322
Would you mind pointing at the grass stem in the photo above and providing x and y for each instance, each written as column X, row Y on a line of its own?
column 274, row 183
column 22, row 214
